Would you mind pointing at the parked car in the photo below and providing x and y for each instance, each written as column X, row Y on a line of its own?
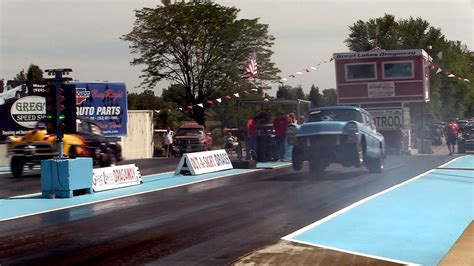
column 192, row 137
column 338, row 134
column 38, row 145
column 466, row 138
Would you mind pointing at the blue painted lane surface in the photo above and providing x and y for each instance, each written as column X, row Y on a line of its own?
column 417, row 222
column 17, row 207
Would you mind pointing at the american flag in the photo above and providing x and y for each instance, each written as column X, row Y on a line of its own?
column 251, row 69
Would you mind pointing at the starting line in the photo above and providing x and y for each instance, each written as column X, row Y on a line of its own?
column 415, row 222
column 28, row 205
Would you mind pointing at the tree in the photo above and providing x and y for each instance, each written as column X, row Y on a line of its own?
column 315, row 97
column 289, row 93
column 329, row 97
column 201, row 46
column 21, row 75
column 34, row 73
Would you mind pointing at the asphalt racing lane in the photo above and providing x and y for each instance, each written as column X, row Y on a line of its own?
column 207, row 223
column 417, row 221
column 17, row 207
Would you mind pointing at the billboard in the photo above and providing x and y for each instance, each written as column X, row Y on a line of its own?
column 103, row 102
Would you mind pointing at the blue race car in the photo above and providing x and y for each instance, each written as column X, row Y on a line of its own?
column 338, row 134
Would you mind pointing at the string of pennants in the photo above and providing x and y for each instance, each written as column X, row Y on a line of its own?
column 248, row 91
column 291, row 76
column 447, row 73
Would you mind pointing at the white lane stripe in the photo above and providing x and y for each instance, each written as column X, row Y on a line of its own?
column 355, row 253
column 329, row 217
column 123, row 196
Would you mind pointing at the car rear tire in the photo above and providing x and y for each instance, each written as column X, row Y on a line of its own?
column 375, row 165
column 17, row 163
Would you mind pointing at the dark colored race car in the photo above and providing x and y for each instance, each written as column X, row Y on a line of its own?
column 466, row 138
column 38, row 145
column 338, row 134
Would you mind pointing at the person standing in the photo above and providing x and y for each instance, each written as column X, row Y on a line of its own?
column 168, row 140
column 451, row 131
column 280, row 124
column 251, row 144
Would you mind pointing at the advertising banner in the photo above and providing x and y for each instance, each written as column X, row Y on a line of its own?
column 387, row 119
column 105, row 103
column 106, row 178
column 381, row 89
column 197, row 163
column 22, row 105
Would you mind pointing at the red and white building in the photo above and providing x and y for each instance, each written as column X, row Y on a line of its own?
column 388, row 83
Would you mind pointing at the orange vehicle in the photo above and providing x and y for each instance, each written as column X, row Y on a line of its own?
column 38, row 145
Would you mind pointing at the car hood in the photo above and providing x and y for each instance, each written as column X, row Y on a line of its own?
column 321, row 127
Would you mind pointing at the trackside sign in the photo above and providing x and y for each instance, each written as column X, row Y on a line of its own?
column 197, row 163
column 115, row 177
column 391, row 119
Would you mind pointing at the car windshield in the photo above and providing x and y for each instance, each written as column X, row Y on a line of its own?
column 335, row 115
column 189, row 132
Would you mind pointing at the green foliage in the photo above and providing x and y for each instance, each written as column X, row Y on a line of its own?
column 315, row 97
column 289, row 93
column 34, row 73
column 21, row 75
column 329, row 97
column 199, row 45
column 450, row 97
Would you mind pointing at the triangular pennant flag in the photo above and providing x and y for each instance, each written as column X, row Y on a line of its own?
column 451, row 76
column 179, row 108
column 439, row 70
column 200, row 105
column 331, row 59
column 210, row 101
column 298, row 73
column 169, row 110
column 283, row 79
column 254, row 90
column 466, row 80
column 157, row 111
column 246, row 92
column 313, row 68
column 291, row 76
column 228, row 97
column 307, row 70
column 236, row 95
column 219, row 100
column 459, row 78
column 189, row 107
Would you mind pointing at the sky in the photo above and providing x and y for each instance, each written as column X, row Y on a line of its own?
column 85, row 34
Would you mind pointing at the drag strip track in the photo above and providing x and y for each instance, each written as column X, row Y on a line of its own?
column 213, row 222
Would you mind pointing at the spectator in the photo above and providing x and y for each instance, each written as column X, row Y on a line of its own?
column 291, row 118
column 301, row 119
column 251, row 145
column 280, row 124
column 168, row 140
column 451, row 131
